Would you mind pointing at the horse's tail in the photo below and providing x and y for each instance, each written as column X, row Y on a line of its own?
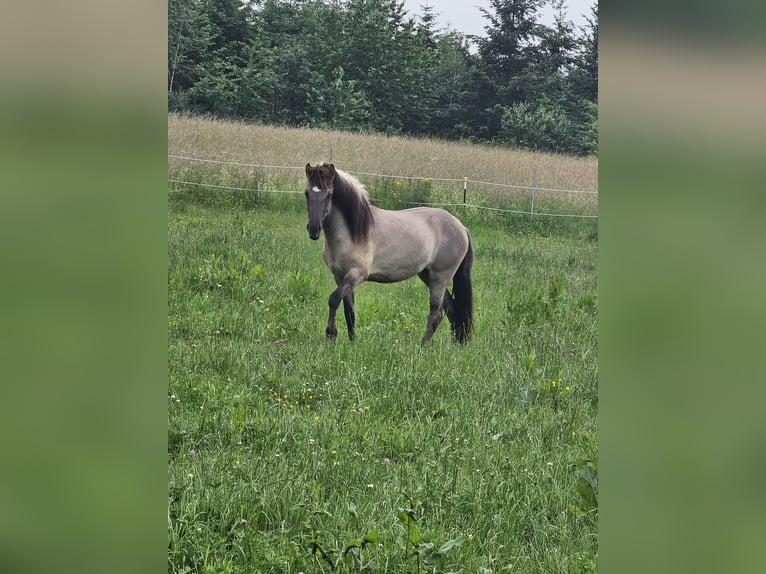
column 462, row 299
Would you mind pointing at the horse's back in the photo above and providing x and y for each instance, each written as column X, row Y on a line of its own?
column 429, row 216
column 450, row 229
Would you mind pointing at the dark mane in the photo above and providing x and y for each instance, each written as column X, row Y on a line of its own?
column 349, row 196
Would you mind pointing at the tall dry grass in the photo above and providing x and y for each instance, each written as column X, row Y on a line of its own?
column 207, row 138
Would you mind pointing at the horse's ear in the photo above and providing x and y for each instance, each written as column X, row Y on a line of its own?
column 308, row 170
column 331, row 170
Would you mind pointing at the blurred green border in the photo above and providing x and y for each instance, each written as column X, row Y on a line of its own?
column 83, row 299
column 83, row 228
column 682, row 278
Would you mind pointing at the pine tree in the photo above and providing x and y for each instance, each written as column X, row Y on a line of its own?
column 189, row 42
column 584, row 76
column 508, row 54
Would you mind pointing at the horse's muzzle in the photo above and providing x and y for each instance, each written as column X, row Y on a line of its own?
column 313, row 231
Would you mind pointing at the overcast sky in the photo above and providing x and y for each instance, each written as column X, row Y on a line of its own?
column 464, row 15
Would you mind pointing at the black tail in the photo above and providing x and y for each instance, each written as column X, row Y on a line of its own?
column 462, row 299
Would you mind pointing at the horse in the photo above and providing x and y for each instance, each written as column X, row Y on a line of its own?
column 364, row 242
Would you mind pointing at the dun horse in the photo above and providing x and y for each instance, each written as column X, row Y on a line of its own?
column 366, row 243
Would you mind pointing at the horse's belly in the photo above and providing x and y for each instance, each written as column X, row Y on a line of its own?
column 385, row 278
column 391, row 269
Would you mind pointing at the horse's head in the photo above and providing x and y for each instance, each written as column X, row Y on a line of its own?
column 321, row 182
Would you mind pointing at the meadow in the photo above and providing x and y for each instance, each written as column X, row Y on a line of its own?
column 288, row 453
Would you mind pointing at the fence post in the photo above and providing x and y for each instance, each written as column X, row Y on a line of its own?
column 330, row 155
column 465, row 188
column 534, row 182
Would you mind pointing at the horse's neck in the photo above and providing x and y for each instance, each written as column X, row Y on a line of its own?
column 335, row 228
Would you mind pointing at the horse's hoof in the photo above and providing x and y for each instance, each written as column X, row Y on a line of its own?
column 330, row 335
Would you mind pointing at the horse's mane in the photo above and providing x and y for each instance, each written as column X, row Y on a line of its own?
column 351, row 198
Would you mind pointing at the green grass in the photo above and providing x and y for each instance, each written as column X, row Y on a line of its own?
column 288, row 453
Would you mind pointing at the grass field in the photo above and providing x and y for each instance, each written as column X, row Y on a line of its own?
column 290, row 454
column 415, row 157
column 412, row 168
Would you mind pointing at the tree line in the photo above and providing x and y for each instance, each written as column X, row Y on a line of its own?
column 368, row 65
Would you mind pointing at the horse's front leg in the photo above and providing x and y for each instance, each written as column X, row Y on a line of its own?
column 345, row 293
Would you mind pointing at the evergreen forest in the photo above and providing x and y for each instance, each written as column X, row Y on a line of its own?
column 371, row 66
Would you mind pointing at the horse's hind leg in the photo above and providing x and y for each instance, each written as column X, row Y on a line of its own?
column 447, row 306
column 350, row 315
column 435, row 314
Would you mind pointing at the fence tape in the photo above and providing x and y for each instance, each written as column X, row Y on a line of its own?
column 475, row 181
column 407, row 202
column 233, row 188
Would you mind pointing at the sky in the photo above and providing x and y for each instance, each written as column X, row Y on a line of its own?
column 464, row 15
